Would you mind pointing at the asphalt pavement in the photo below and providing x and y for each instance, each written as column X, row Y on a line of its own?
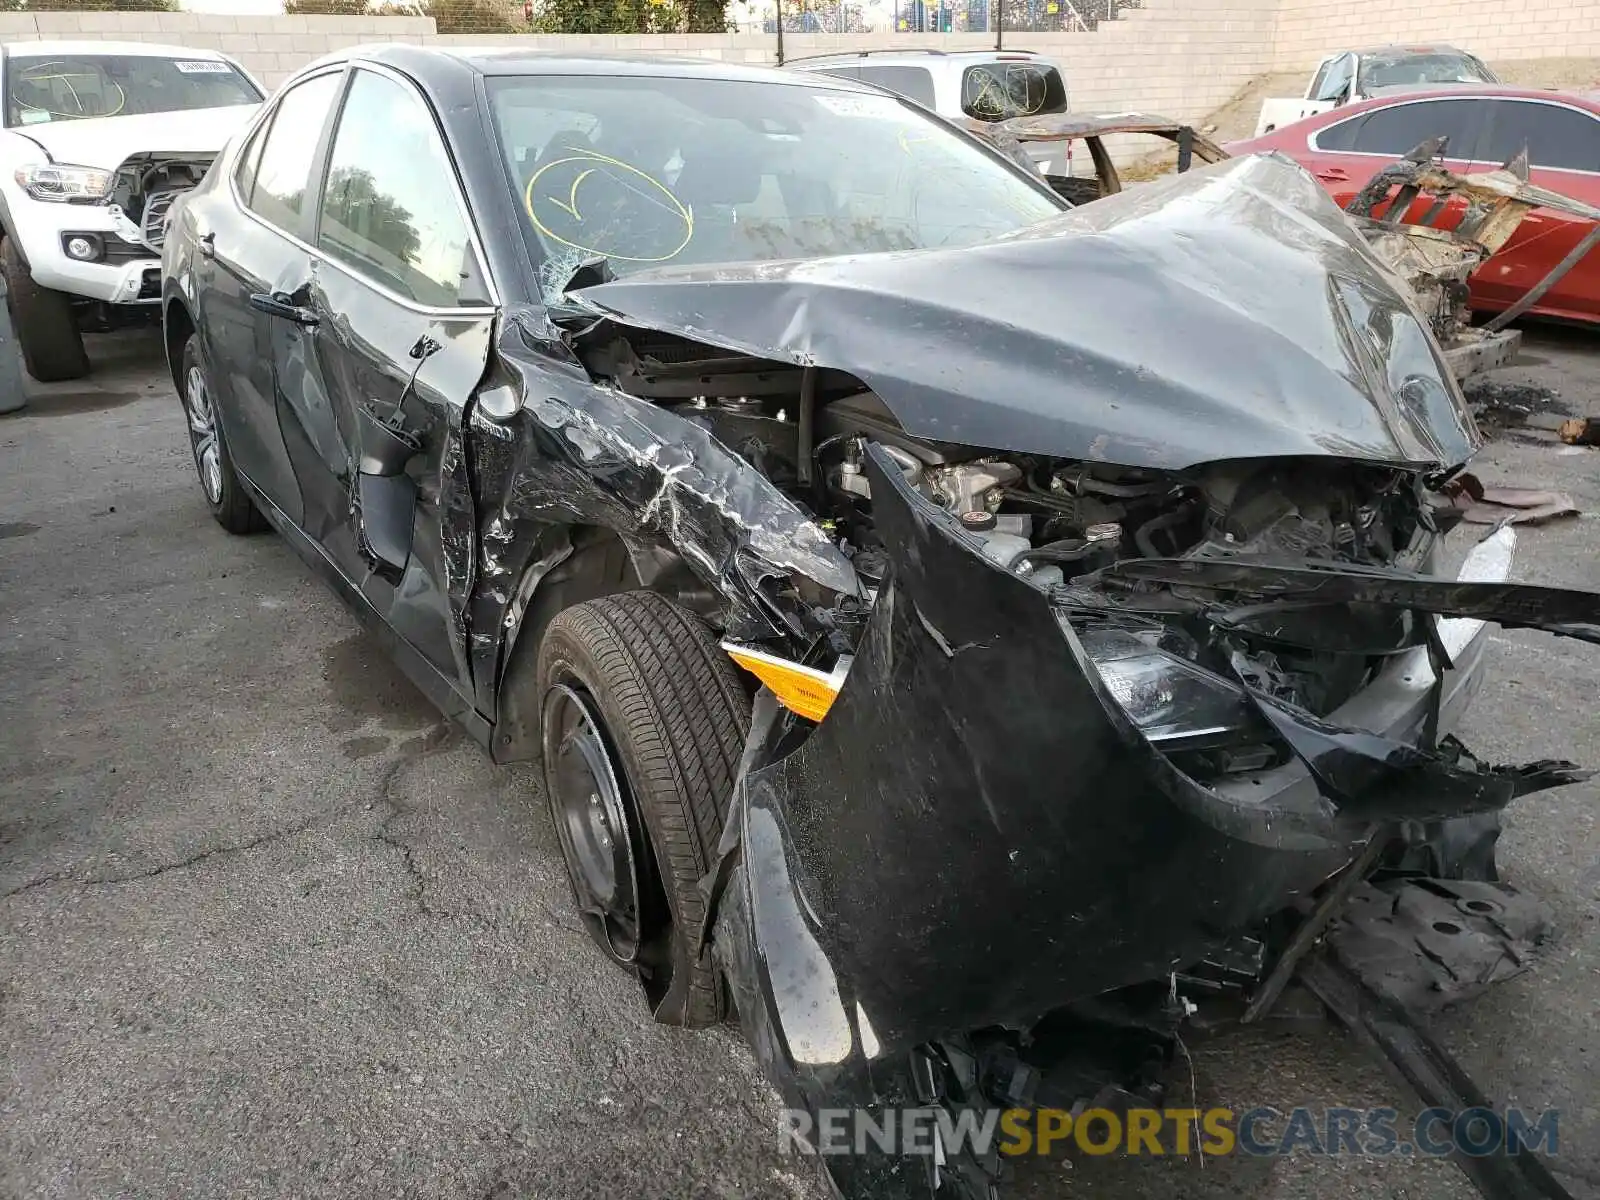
column 268, row 927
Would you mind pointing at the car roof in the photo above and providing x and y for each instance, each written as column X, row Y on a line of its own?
column 1418, row 48
column 125, row 49
column 1465, row 91
column 809, row 60
column 437, row 65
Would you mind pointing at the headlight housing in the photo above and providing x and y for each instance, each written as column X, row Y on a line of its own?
column 60, row 182
column 1176, row 704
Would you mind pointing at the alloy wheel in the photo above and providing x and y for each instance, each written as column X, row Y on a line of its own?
column 203, row 433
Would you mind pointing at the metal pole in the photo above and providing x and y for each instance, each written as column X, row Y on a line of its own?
column 999, row 22
column 777, row 8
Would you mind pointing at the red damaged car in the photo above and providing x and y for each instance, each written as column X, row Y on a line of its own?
column 1486, row 126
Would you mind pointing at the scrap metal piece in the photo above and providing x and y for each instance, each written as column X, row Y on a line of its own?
column 1093, row 128
column 1437, row 263
column 1430, row 943
column 1305, row 936
column 1433, row 1074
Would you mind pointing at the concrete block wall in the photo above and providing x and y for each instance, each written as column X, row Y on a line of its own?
column 1497, row 30
column 270, row 48
column 1180, row 58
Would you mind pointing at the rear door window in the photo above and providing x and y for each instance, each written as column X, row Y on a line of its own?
column 914, row 83
column 1557, row 138
column 998, row 90
column 1398, row 129
column 283, row 172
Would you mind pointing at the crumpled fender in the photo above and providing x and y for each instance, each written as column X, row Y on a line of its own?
column 562, row 454
column 976, row 834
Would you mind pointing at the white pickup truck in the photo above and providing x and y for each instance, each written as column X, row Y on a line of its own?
column 1361, row 74
column 97, row 139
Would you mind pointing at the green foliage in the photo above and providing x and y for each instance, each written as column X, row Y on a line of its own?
column 630, row 16
column 325, row 8
column 94, row 6
column 469, row 16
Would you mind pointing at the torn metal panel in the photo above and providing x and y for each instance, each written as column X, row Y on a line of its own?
column 1296, row 341
column 933, row 858
column 1438, row 1080
column 573, row 454
column 1430, row 943
column 1436, row 263
column 1565, row 612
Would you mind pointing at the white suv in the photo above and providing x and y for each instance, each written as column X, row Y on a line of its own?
column 985, row 85
column 98, row 138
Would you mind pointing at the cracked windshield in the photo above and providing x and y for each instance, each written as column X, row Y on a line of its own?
column 651, row 172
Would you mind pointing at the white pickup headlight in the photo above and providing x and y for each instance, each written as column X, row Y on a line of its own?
column 58, row 182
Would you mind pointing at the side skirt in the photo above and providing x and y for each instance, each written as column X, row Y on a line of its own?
column 416, row 668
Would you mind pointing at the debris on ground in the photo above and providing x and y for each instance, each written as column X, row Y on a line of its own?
column 1499, row 406
column 1491, row 504
column 1580, row 431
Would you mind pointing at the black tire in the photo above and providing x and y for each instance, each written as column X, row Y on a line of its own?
column 674, row 716
column 219, row 482
column 42, row 320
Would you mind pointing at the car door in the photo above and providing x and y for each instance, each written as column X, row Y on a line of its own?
column 1338, row 85
column 1344, row 155
column 245, row 252
column 1563, row 145
column 388, row 337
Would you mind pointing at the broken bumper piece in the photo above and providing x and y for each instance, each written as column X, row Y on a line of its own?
column 978, row 834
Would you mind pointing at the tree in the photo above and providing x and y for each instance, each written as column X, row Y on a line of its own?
column 325, row 8
column 99, row 6
column 630, row 16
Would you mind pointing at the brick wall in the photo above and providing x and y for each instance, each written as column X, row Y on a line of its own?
column 269, row 47
column 1498, row 30
column 1180, row 58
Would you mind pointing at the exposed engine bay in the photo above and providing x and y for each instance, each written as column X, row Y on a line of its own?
column 142, row 191
column 1052, row 521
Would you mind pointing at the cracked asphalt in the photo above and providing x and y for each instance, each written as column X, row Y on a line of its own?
column 268, row 927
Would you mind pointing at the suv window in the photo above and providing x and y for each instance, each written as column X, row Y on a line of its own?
column 282, row 172
column 997, row 90
column 1403, row 127
column 914, row 83
column 389, row 208
column 42, row 88
column 1557, row 137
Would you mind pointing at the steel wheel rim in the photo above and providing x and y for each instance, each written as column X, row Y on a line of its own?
column 592, row 810
column 203, row 433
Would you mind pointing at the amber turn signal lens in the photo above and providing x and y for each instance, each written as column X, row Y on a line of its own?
column 804, row 691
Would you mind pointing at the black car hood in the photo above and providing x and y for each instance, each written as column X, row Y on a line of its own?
column 1230, row 312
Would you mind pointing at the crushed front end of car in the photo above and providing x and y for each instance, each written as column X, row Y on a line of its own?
column 1146, row 662
column 1415, row 194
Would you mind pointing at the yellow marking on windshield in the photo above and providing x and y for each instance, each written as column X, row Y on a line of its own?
column 36, row 74
column 572, row 197
column 641, row 183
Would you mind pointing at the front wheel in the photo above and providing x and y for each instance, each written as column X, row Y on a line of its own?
column 42, row 320
column 643, row 720
column 225, row 495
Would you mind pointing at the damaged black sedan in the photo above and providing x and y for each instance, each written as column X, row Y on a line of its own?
column 949, row 621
